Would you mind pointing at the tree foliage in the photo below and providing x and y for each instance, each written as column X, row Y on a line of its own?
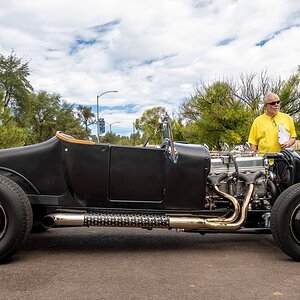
column 136, row 139
column 148, row 123
column 48, row 113
column 86, row 117
column 13, row 80
column 224, row 111
column 11, row 135
column 252, row 87
column 215, row 116
column 289, row 93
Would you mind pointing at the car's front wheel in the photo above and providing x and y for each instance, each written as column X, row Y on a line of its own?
column 15, row 218
column 285, row 221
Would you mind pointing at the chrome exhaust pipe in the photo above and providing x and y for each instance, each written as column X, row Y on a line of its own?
column 63, row 219
column 106, row 220
column 151, row 221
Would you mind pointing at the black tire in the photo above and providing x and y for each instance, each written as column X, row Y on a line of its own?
column 285, row 221
column 15, row 218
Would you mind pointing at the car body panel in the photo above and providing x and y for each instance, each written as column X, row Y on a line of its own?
column 70, row 173
column 39, row 164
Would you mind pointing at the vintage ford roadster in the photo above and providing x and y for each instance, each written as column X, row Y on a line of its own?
column 69, row 182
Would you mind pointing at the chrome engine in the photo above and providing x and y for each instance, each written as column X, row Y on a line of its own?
column 233, row 167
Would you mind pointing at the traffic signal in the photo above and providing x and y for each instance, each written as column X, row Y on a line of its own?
column 101, row 126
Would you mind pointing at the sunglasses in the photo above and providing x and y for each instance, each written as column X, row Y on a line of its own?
column 273, row 103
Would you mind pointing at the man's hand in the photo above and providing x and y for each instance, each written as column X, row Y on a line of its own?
column 253, row 149
column 288, row 143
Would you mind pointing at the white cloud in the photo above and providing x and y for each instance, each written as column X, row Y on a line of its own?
column 153, row 52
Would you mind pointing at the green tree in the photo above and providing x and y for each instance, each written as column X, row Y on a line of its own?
column 86, row 117
column 136, row 139
column 252, row 88
column 178, row 130
column 13, row 80
column 109, row 138
column 289, row 93
column 48, row 113
column 67, row 121
column 11, row 135
column 149, row 124
column 214, row 116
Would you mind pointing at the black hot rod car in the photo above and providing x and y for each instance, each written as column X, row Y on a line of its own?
column 70, row 182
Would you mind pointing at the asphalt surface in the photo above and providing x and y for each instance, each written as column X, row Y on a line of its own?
column 122, row 263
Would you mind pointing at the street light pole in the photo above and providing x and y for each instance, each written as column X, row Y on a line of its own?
column 133, row 131
column 98, row 96
column 111, row 125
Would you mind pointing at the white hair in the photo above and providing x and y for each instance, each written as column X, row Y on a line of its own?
column 270, row 95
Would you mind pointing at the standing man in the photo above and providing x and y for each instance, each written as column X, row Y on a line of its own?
column 273, row 131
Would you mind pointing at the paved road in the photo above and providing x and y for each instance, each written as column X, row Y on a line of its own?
column 105, row 263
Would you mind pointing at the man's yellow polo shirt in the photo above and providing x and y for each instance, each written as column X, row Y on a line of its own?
column 264, row 131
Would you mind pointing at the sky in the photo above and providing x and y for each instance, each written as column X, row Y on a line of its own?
column 153, row 52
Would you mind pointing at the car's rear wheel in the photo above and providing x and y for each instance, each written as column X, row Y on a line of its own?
column 15, row 218
column 285, row 221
